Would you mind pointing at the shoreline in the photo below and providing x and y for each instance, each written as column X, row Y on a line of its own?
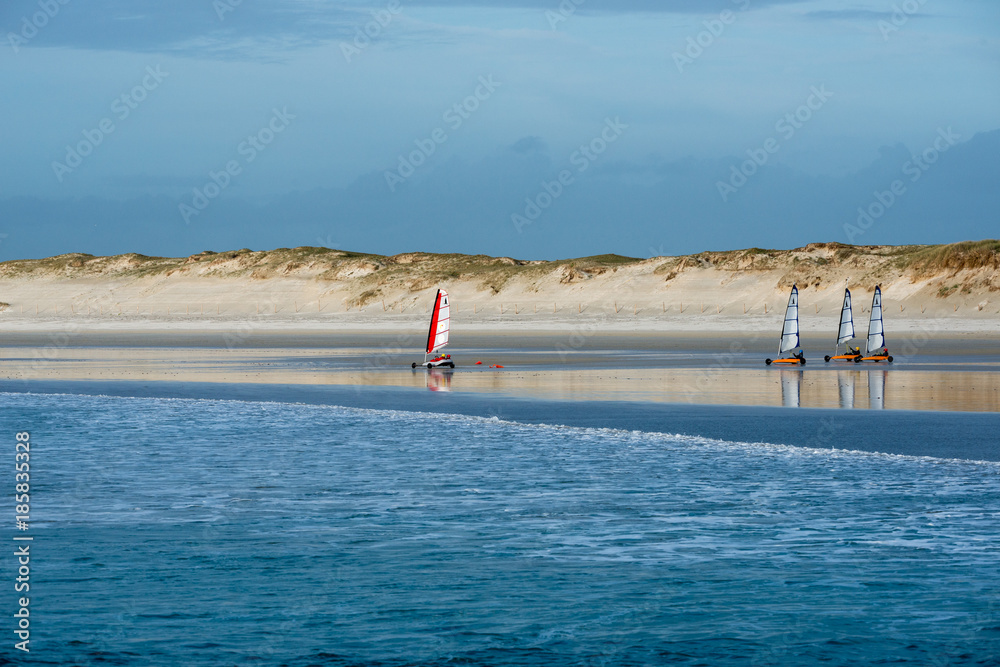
column 708, row 323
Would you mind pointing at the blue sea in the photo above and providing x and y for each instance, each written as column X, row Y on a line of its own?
column 220, row 532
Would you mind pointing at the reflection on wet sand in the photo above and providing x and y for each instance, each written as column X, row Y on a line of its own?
column 791, row 388
column 438, row 379
column 845, row 387
column 889, row 389
column 876, row 389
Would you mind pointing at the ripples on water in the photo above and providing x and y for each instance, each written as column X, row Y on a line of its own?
column 209, row 533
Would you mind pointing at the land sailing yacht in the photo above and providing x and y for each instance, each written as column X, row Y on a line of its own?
column 875, row 349
column 790, row 333
column 845, row 334
column 437, row 336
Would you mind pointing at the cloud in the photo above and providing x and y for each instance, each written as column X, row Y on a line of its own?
column 528, row 145
column 190, row 27
column 854, row 15
column 464, row 206
column 614, row 6
column 228, row 29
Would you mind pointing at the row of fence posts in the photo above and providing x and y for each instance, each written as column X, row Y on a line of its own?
column 504, row 308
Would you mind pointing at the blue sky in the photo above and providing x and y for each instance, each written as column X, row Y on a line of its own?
column 675, row 126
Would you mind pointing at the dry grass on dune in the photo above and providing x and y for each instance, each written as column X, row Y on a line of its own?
column 966, row 267
column 969, row 255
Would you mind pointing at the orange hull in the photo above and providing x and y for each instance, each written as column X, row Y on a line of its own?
column 793, row 360
column 877, row 359
column 844, row 357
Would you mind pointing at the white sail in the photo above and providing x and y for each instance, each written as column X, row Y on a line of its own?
column 876, row 336
column 790, row 330
column 437, row 337
column 846, row 332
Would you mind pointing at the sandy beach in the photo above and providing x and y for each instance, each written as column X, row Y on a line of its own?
column 684, row 330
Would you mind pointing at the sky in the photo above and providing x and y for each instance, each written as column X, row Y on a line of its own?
column 538, row 129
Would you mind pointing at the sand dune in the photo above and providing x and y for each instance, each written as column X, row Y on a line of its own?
column 952, row 288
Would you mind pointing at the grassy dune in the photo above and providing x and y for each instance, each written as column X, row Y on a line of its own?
column 944, row 278
column 423, row 269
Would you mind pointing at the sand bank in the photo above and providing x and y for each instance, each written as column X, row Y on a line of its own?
column 938, row 373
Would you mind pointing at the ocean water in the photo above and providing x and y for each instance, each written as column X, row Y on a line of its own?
column 204, row 532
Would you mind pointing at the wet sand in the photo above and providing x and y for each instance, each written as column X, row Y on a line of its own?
column 930, row 373
column 944, row 435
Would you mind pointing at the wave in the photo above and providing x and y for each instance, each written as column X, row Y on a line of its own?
column 466, row 422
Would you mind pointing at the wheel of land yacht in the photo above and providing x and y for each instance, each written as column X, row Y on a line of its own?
column 857, row 360
column 802, row 362
column 827, row 358
column 889, row 360
column 767, row 361
column 413, row 365
column 451, row 365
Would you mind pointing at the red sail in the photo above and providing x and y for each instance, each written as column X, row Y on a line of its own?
column 437, row 337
